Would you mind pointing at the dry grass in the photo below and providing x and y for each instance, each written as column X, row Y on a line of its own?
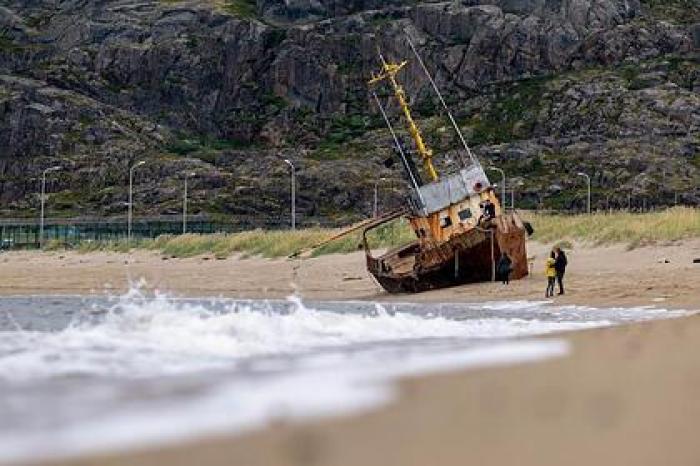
column 626, row 228
column 257, row 243
column 620, row 227
column 262, row 243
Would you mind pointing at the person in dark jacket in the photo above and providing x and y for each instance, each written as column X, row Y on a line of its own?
column 560, row 264
column 488, row 211
column 504, row 268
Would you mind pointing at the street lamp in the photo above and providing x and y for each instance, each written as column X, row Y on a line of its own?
column 503, row 183
column 375, row 210
column 184, row 203
column 131, row 198
column 294, row 194
column 43, row 200
column 588, row 180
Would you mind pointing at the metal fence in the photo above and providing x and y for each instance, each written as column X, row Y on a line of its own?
column 25, row 233
column 18, row 233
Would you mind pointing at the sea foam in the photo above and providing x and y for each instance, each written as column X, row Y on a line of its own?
column 140, row 336
column 146, row 370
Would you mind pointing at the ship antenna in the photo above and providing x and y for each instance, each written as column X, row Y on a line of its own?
column 399, row 148
column 389, row 72
column 473, row 159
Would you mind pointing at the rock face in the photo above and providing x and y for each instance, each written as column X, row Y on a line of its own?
column 544, row 88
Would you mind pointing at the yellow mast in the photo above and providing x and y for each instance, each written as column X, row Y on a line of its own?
column 389, row 71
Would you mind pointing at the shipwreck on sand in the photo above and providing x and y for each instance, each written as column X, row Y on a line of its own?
column 461, row 228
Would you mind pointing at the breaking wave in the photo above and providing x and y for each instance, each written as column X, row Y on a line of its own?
column 141, row 336
column 143, row 370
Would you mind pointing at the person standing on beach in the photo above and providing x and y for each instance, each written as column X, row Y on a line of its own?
column 504, row 268
column 560, row 264
column 551, row 274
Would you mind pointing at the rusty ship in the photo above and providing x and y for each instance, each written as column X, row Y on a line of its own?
column 461, row 228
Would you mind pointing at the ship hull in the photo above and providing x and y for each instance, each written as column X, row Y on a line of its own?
column 468, row 257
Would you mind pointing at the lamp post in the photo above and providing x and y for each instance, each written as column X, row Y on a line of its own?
column 43, row 200
column 375, row 210
column 503, row 183
column 588, row 180
column 184, row 203
column 294, row 193
column 131, row 198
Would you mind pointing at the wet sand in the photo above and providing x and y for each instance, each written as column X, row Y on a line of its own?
column 626, row 395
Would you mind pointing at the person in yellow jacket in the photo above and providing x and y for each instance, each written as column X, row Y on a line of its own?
column 551, row 274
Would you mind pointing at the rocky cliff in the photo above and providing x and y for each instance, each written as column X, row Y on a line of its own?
column 230, row 88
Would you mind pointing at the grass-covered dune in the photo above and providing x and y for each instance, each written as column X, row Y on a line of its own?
column 631, row 229
column 261, row 242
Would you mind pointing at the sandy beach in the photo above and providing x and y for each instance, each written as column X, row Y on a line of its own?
column 625, row 395
column 662, row 275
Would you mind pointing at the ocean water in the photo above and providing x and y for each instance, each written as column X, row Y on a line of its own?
column 85, row 374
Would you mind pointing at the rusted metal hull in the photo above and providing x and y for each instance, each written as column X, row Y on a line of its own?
column 468, row 257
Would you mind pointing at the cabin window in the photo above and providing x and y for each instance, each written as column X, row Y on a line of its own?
column 465, row 214
column 445, row 222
